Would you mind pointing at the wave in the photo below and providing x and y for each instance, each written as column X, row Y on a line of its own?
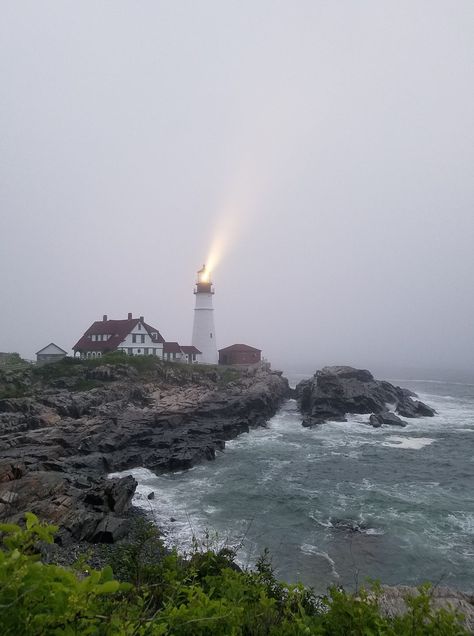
column 307, row 548
column 463, row 520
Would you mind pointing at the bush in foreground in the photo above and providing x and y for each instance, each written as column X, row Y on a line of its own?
column 205, row 594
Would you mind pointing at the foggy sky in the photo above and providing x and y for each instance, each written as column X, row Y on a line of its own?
column 334, row 139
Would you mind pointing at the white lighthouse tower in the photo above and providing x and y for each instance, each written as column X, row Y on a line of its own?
column 204, row 334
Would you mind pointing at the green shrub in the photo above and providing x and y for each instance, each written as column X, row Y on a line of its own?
column 205, row 594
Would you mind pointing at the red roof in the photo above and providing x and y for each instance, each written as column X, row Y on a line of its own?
column 117, row 329
column 190, row 349
column 240, row 347
column 171, row 347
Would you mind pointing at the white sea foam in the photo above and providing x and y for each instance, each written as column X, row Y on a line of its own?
column 373, row 531
column 411, row 443
column 307, row 548
column 463, row 520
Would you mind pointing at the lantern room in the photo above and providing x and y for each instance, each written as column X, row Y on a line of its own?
column 204, row 283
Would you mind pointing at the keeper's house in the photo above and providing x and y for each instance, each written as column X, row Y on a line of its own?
column 132, row 336
column 240, row 354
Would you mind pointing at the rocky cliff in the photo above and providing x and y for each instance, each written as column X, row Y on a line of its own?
column 65, row 426
column 335, row 391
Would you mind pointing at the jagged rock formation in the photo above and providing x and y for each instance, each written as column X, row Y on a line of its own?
column 334, row 391
column 57, row 443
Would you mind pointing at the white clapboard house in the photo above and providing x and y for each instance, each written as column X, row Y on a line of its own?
column 132, row 336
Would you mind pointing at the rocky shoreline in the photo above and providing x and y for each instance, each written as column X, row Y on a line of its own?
column 57, row 443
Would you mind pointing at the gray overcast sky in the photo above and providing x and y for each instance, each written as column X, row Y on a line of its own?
column 328, row 144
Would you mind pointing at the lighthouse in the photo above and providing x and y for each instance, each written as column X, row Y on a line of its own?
column 204, row 335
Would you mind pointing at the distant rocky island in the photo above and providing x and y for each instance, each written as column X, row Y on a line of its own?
column 333, row 392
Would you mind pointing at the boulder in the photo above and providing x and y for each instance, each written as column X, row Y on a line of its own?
column 385, row 419
column 335, row 391
column 414, row 408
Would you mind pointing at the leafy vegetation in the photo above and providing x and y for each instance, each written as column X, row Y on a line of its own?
column 12, row 360
column 205, row 594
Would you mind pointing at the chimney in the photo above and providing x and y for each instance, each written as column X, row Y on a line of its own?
column 129, row 316
column 142, row 319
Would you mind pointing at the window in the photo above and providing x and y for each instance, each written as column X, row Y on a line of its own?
column 143, row 338
column 134, row 337
column 139, row 350
column 145, row 351
column 139, row 326
column 130, row 351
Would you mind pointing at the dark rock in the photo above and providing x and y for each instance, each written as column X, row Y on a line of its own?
column 151, row 495
column 110, row 529
column 385, row 419
column 335, row 391
column 414, row 408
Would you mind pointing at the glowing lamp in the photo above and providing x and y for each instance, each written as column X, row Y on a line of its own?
column 203, row 275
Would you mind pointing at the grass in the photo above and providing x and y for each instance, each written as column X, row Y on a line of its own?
column 75, row 373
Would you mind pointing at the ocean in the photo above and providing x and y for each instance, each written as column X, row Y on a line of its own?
column 340, row 504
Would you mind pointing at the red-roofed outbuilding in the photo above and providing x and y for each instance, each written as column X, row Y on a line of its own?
column 240, row 354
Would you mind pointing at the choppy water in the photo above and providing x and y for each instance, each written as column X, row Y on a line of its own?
column 338, row 503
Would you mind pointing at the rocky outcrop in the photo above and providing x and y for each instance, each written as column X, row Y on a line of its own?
column 57, row 445
column 335, row 391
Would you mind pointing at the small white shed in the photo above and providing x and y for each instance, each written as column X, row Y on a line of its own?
column 50, row 353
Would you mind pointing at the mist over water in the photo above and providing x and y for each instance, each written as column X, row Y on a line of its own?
column 340, row 502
